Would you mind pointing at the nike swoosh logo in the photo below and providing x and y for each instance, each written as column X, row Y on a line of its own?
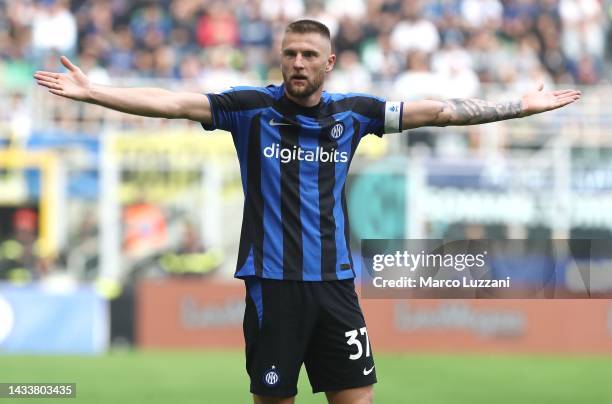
column 274, row 123
column 367, row 371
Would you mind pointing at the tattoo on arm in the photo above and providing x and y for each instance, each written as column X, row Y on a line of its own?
column 472, row 111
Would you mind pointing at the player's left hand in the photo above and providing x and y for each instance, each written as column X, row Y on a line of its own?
column 541, row 101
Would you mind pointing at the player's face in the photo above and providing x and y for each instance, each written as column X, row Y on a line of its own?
column 305, row 58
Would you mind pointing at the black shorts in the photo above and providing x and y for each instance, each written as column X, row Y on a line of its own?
column 320, row 324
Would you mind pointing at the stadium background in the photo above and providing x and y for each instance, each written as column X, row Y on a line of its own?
column 119, row 234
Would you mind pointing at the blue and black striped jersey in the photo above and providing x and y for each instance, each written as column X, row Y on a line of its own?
column 293, row 163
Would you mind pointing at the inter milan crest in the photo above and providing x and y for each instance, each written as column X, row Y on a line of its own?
column 271, row 377
column 336, row 131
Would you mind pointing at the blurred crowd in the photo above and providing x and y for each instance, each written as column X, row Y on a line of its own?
column 421, row 48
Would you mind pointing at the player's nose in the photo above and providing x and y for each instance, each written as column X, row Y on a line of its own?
column 298, row 62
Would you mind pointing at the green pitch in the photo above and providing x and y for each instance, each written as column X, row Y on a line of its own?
column 219, row 377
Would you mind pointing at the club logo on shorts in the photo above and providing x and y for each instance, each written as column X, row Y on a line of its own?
column 271, row 377
column 336, row 131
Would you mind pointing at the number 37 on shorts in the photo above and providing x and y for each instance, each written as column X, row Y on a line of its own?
column 352, row 340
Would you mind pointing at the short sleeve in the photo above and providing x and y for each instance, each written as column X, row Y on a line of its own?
column 223, row 108
column 231, row 107
column 383, row 116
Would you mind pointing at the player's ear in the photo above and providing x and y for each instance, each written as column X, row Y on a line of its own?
column 331, row 61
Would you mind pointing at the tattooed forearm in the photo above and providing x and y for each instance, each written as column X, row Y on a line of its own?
column 472, row 111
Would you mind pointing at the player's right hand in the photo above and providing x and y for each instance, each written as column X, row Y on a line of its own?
column 73, row 84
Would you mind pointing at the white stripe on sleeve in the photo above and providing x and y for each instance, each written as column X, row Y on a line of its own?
column 393, row 116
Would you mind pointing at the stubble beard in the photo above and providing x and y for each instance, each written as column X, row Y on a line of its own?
column 309, row 89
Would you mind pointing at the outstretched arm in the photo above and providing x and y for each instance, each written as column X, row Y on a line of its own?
column 153, row 102
column 472, row 111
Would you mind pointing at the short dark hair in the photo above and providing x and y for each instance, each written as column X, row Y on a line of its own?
column 307, row 26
